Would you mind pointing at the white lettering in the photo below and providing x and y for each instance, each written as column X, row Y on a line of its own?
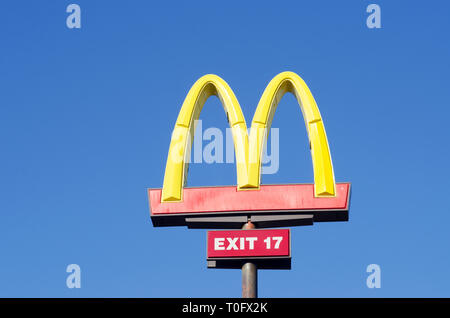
column 218, row 244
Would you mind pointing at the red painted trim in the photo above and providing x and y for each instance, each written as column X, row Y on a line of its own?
column 289, row 197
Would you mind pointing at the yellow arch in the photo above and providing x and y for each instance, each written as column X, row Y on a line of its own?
column 324, row 184
column 182, row 135
column 248, row 153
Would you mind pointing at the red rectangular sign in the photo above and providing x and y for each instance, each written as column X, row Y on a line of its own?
column 268, row 200
column 248, row 243
column 269, row 197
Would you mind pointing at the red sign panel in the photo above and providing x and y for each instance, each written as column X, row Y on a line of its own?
column 248, row 243
column 296, row 197
column 269, row 200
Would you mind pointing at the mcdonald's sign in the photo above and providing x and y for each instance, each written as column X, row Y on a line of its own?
column 264, row 205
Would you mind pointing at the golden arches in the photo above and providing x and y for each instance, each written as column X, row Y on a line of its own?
column 248, row 150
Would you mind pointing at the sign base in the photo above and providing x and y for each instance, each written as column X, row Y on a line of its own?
column 261, row 263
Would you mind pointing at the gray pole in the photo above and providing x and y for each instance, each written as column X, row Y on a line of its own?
column 249, row 274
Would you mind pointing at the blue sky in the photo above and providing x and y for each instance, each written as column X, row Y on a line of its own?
column 85, row 122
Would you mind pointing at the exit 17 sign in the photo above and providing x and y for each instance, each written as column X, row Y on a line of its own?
column 248, row 243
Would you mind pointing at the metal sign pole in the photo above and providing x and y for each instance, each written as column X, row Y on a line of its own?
column 249, row 273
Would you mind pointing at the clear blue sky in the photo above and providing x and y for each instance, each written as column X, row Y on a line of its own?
column 86, row 117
